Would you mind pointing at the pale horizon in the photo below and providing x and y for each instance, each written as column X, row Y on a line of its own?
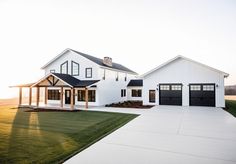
column 137, row 34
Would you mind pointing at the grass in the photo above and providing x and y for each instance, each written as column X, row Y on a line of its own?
column 52, row 137
column 231, row 107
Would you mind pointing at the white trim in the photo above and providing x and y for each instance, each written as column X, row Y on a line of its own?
column 47, row 77
column 179, row 57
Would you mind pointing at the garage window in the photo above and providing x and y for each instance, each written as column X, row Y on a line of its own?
column 164, row 87
column 195, row 87
column 176, row 87
column 208, row 87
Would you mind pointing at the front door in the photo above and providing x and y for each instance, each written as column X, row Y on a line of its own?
column 67, row 96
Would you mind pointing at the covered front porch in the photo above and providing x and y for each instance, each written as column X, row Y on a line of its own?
column 59, row 88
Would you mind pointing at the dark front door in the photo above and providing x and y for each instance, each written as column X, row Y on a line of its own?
column 67, row 96
column 170, row 94
column 202, row 94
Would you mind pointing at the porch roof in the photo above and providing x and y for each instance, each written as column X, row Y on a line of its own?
column 135, row 83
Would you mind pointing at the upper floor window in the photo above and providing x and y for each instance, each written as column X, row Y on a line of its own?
column 88, row 72
column 117, row 76
column 125, row 77
column 64, row 67
column 104, row 74
column 74, row 68
column 52, row 71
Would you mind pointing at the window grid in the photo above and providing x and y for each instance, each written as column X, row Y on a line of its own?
column 136, row 93
column 91, row 95
column 164, row 87
column 53, row 95
column 195, row 87
column 208, row 88
column 176, row 87
column 75, row 69
column 88, row 72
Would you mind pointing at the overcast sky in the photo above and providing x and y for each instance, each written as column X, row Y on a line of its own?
column 140, row 34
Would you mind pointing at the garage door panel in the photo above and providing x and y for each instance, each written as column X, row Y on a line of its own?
column 202, row 95
column 170, row 94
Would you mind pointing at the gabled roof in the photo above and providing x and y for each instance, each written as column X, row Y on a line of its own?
column 93, row 59
column 135, row 83
column 182, row 57
column 69, row 80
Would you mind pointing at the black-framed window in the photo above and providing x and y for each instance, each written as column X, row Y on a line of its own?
column 91, row 95
column 125, row 77
column 123, row 93
column 117, row 76
column 52, row 71
column 74, row 68
column 88, row 72
column 195, row 87
column 136, row 93
column 64, row 68
column 208, row 87
column 104, row 74
column 152, row 96
column 53, row 95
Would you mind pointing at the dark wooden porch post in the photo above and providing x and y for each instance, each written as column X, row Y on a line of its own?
column 72, row 99
column 20, row 96
column 30, row 96
column 61, row 97
column 37, row 96
column 86, row 98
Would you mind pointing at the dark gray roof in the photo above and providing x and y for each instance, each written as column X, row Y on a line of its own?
column 74, row 81
column 100, row 62
column 135, row 83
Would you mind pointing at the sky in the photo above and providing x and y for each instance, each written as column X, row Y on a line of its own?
column 140, row 34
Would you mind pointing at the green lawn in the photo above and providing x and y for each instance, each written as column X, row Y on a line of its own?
column 52, row 137
column 231, row 107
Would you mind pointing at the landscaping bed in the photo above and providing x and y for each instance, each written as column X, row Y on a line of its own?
column 230, row 106
column 130, row 104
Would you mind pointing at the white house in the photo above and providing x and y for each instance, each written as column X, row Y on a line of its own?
column 76, row 78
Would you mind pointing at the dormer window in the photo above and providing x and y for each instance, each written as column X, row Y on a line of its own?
column 52, row 71
column 88, row 72
column 64, row 67
column 74, row 68
column 117, row 76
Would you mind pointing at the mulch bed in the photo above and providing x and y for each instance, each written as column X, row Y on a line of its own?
column 130, row 104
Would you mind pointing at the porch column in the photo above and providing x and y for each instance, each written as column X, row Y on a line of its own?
column 46, row 96
column 72, row 99
column 61, row 97
column 20, row 96
column 37, row 96
column 30, row 96
column 86, row 98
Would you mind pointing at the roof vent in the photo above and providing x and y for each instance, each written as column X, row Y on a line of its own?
column 107, row 61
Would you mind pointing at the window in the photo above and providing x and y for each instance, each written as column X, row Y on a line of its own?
column 74, row 68
column 53, row 95
column 81, row 95
column 64, row 67
column 52, row 71
column 123, row 92
column 164, row 87
column 152, row 96
column 208, row 87
column 104, row 75
column 88, row 72
column 176, row 87
column 195, row 87
column 91, row 95
column 136, row 93
column 117, row 76
column 125, row 77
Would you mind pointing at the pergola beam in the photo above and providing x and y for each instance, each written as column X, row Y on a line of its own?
column 30, row 96
column 37, row 96
column 20, row 96
column 61, row 97
column 86, row 97
column 72, row 94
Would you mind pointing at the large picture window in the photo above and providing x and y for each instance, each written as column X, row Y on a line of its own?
column 64, row 67
column 74, row 68
column 91, row 95
column 53, row 95
column 136, row 93
column 88, row 72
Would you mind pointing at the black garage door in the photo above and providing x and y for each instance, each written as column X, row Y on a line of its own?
column 202, row 94
column 170, row 94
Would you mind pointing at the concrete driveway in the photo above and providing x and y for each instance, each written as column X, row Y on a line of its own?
column 167, row 135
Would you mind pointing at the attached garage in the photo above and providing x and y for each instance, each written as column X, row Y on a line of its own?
column 202, row 95
column 170, row 94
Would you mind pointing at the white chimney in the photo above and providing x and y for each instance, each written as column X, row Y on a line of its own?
column 107, row 61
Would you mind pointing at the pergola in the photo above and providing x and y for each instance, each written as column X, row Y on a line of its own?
column 56, row 80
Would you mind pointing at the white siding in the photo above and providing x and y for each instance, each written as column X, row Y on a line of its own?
column 185, row 72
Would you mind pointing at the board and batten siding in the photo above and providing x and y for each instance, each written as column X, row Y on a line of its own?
column 185, row 72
